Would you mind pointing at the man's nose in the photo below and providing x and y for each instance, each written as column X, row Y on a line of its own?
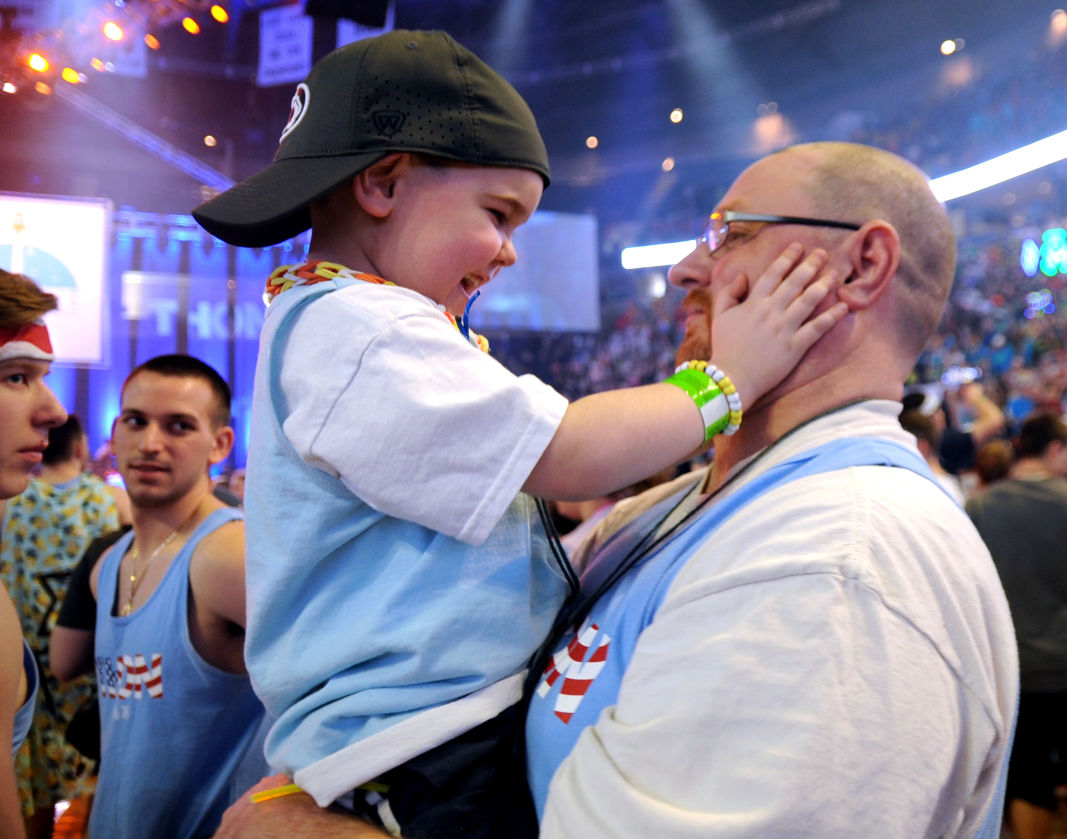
column 693, row 270
column 152, row 439
column 49, row 412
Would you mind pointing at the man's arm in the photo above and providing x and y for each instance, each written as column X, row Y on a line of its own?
column 294, row 816
column 217, row 610
column 70, row 652
column 70, row 648
column 12, row 695
column 989, row 419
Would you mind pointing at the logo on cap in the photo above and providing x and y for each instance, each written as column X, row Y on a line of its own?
column 388, row 122
column 297, row 108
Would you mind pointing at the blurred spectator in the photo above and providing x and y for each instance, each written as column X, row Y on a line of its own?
column 927, row 433
column 1023, row 521
column 993, row 461
column 45, row 532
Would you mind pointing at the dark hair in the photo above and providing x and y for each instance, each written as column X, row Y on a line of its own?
column 183, row 366
column 62, row 441
column 920, row 425
column 21, row 301
column 1039, row 431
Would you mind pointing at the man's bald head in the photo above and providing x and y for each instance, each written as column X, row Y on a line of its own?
column 860, row 183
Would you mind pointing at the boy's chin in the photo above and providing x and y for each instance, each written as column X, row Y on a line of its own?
column 456, row 304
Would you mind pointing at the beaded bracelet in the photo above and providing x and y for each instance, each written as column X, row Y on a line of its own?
column 714, row 394
column 732, row 397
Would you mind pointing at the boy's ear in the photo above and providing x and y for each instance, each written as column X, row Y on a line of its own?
column 375, row 186
column 873, row 256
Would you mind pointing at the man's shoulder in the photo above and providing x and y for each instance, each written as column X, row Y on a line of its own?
column 223, row 542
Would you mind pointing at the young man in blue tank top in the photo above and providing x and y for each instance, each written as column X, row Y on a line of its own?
column 178, row 715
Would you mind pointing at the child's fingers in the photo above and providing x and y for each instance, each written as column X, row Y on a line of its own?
column 819, row 325
column 799, row 279
column 788, row 265
column 804, row 303
column 730, row 296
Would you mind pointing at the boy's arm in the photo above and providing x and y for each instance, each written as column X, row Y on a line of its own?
column 610, row 440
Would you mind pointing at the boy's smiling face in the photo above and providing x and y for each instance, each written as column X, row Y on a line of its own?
column 450, row 227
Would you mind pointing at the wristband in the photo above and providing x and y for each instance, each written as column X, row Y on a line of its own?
column 717, row 399
column 709, row 398
column 733, row 398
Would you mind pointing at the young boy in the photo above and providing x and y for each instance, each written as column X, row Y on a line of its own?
column 398, row 580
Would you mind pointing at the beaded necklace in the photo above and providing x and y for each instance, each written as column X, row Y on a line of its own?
column 286, row 277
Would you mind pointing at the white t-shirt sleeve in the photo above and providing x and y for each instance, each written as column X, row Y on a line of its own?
column 413, row 419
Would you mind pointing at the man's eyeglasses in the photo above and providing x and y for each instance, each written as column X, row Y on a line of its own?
column 718, row 229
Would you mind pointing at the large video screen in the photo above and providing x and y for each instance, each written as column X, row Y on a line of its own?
column 62, row 244
column 554, row 285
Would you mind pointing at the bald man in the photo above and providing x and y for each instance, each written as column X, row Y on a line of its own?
column 808, row 638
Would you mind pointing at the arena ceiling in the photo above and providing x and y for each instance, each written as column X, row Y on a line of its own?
column 747, row 76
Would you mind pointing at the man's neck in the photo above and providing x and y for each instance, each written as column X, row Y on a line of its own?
column 152, row 525
column 778, row 413
column 1031, row 469
column 60, row 473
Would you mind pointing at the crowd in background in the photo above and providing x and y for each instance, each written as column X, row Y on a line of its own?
column 990, row 325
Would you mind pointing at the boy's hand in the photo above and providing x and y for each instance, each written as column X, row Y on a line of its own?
column 758, row 339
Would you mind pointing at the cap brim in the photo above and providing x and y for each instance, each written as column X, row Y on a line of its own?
column 272, row 206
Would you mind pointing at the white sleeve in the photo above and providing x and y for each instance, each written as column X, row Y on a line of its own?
column 413, row 419
column 763, row 704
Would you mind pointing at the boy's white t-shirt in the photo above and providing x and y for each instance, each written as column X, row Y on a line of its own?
column 398, row 580
column 446, row 435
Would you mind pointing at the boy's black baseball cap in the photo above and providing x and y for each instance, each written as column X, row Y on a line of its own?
column 403, row 91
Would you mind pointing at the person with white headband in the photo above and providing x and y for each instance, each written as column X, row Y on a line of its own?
column 28, row 408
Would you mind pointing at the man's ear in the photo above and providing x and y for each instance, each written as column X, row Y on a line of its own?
column 220, row 448
column 873, row 255
column 375, row 186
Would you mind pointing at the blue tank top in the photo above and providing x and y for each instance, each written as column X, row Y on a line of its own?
column 24, row 715
column 174, row 729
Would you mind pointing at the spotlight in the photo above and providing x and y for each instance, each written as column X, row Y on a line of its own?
column 43, row 89
column 37, row 62
column 948, row 47
column 219, row 13
column 70, row 75
column 677, row 115
column 9, row 87
column 152, row 41
column 591, row 142
column 210, row 141
column 112, row 31
column 191, row 26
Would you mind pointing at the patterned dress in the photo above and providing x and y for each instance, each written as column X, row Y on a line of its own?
column 45, row 532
